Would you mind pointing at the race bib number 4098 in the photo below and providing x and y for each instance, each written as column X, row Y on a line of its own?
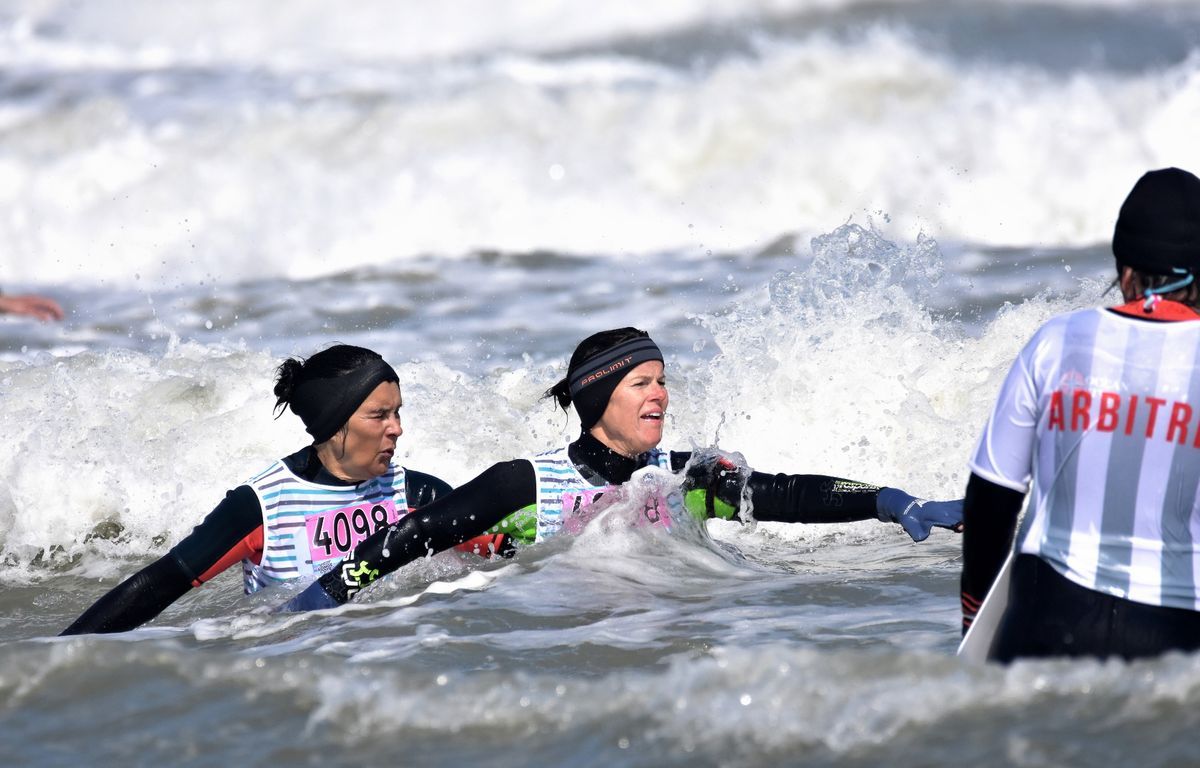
column 334, row 532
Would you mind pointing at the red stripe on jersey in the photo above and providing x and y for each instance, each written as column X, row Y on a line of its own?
column 249, row 548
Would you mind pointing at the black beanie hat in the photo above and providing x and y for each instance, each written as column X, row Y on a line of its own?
column 1158, row 229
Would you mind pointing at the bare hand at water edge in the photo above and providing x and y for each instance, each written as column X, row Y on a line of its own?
column 39, row 307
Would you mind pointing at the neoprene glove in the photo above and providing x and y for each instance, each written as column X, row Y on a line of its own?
column 917, row 516
column 713, row 484
column 313, row 598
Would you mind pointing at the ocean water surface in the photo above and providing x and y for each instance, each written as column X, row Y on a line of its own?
column 839, row 218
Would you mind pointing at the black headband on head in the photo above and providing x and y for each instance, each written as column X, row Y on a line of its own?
column 592, row 382
column 324, row 405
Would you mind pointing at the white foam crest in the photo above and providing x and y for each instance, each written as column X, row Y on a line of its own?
column 737, row 701
column 117, row 455
column 846, row 373
column 312, row 32
column 766, row 704
column 680, row 559
column 832, row 129
column 838, row 369
column 519, row 154
column 122, row 452
column 783, row 699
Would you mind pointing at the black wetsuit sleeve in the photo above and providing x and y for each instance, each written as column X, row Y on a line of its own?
column 463, row 514
column 136, row 600
column 148, row 592
column 990, row 514
column 792, row 498
column 424, row 488
column 235, row 518
column 811, row 498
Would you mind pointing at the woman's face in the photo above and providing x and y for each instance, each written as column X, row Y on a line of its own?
column 633, row 421
column 366, row 448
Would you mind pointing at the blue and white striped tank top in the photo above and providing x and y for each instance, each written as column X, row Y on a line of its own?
column 559, row 480
column 308, row 527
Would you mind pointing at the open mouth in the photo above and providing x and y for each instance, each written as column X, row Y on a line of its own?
column 655, row 416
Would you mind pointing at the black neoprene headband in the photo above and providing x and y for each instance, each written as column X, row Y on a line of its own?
column 592, row 382
column 618, row 359
column 325, row 405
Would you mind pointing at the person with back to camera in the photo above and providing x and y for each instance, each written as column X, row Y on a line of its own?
column 1100, row 417
column 615, row 381
column 304, row 511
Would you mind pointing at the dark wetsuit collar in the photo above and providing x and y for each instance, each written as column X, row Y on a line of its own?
column 600, row 464
column 306, row 465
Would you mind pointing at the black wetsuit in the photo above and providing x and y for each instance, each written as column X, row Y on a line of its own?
column 225, row 537
column 512, row 485
column 990, row 514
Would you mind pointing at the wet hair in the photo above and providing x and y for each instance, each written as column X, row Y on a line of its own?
column 326, row 389
column 1144, row 280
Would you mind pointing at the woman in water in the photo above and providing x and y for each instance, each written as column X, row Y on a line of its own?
column 615, row 381
column 303, row 512
column 1099, row 414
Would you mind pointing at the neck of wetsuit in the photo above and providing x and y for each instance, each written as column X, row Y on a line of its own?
column 600, row 464
column 306, row 465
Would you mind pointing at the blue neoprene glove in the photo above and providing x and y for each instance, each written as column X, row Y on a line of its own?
column 313, row 598
column 917, row 516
